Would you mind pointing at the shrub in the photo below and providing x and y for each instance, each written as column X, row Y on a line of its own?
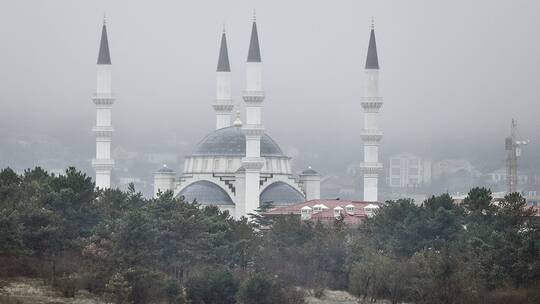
column 294, row 295
column 9, row 300
column 118, row 288
column 68, row 285
column 257, row 289
column 211, row 286
column 145, row 285
column 261, row 289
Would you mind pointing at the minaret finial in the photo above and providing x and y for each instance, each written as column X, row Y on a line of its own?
column 104, row 18
column 372, row 23
column 254, row 15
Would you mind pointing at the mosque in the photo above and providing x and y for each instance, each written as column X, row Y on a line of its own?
column 238, row 165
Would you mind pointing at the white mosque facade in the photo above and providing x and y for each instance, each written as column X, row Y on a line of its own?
column 237, row 166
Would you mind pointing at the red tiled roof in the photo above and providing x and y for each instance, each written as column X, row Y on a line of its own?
column 326, row 215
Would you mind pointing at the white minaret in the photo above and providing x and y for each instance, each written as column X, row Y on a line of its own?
column 223, row 104
column 253, row 96
column 103, row 98
column 371, row 136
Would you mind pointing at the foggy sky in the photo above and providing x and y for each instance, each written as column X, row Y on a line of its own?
column 453, row 73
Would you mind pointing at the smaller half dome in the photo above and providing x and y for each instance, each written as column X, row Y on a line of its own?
column 205, row 193
column 281, row 194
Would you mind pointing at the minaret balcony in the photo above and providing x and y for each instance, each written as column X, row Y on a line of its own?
column 372, row 104
column 222, row 107
column 371, row 168
column 103, row 131
column 371, row 136
column 102, row 164
column 253, row 130
column 253, row 97
column 101, row 99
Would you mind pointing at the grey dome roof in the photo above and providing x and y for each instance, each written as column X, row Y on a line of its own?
column 309, row 171
column 165, row 169
column 205, row 193
column 279, row 193
column 231, row 141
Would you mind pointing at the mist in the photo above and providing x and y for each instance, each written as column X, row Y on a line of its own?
column 453, row 75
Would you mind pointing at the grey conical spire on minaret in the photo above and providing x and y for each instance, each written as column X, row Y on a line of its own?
column 254, row 54
column 223, row 61
column 104, row 56
column 372, row 61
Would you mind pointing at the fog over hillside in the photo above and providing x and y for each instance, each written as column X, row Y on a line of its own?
column 453, row 74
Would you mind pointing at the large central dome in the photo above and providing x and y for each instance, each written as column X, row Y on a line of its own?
column 231, row 141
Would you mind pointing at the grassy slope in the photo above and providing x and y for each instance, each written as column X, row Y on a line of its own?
column 34, row 291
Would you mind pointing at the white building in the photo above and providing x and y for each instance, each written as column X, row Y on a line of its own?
column 238, row 166
column 370, row 134
column 448, row 167
column 406, row 170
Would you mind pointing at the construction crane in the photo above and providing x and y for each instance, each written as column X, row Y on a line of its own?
column 513, row 152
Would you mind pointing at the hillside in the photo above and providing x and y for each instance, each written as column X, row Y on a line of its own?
column 35, row 291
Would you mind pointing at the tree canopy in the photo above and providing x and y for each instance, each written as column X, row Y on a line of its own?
column 131, row 249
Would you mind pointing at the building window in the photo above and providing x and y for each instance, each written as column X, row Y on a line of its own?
column 396, row 171
column 305, row 211
column 230, row 165
column 206, row 162
column 216, row 164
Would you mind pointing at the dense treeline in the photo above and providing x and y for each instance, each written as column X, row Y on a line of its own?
column 130, row 249
column 440, row 252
